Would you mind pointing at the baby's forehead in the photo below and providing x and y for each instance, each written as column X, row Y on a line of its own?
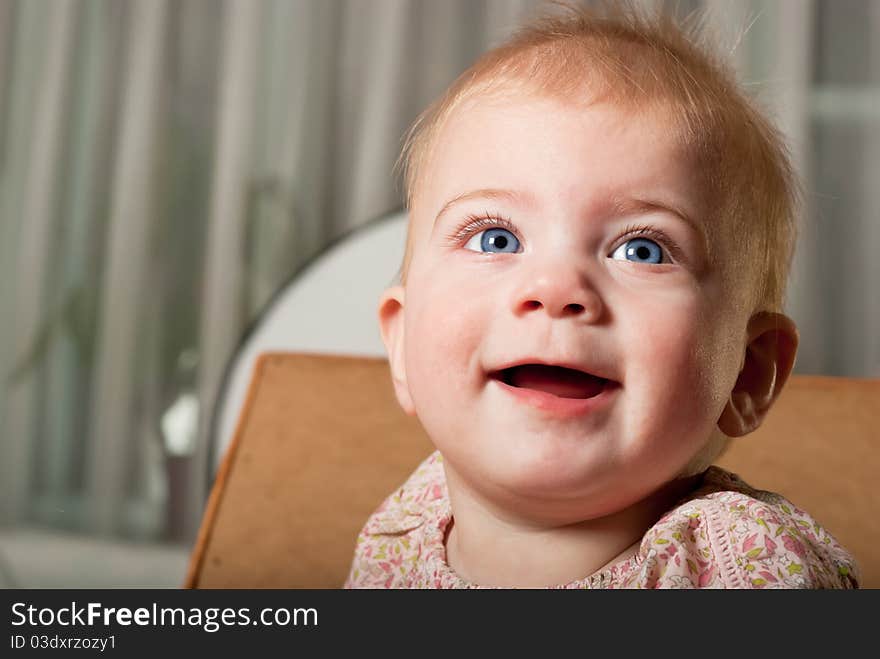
column 658, row 118
column 611, row 145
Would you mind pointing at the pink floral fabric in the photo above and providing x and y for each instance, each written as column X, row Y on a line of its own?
column 725, row 535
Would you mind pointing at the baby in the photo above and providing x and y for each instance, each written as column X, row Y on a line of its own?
column 601, row 226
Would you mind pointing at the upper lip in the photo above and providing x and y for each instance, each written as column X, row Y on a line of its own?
column 589, row 369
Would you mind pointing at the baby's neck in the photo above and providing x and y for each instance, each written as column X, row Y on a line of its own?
column 491, row 550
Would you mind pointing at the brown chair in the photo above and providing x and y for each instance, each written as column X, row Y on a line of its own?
column 321, row 441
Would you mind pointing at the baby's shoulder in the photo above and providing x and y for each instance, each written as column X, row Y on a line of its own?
column 728, row 534
column 422, row 496
column 404, row 530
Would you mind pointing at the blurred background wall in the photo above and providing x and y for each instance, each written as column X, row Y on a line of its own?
column 165, row 165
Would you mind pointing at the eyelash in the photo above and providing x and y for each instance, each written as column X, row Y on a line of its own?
column 475, row 223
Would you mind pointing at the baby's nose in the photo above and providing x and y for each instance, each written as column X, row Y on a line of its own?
column 559, row 294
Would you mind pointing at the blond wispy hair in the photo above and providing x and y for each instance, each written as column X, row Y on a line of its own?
column 619, row 53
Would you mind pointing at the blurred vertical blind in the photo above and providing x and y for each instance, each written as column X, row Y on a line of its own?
column 166, row 164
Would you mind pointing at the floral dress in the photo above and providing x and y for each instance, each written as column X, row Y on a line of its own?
column 726, row 534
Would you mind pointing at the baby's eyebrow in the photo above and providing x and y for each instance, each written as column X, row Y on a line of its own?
column 623, row 205
column 484, row 193
column 619, row 205
column 631, row 206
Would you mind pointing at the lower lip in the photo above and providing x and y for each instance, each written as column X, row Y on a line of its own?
column 558, row 406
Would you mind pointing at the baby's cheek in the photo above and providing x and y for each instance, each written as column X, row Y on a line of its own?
column 442, row 346
column 668, row 359
column 446, row 324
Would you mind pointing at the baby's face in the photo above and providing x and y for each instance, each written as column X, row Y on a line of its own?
column 547, row 236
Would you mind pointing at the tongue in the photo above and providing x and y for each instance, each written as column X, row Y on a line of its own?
column 562, row 382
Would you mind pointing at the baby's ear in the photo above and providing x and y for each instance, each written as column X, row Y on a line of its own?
column 769, row 358
column 391, row 325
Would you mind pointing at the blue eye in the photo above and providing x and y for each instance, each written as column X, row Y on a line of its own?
column 639, row 250
column 493, row 241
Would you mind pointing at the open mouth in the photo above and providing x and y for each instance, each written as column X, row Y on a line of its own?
column 556, row 380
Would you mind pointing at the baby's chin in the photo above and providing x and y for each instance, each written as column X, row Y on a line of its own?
column 561, row 489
